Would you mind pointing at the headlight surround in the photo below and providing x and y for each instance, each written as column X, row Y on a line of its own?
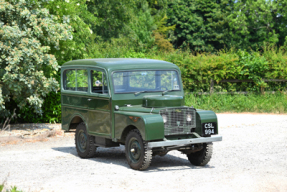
column 188, row 117
column 164, row 117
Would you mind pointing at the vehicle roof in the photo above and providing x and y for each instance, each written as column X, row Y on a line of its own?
column 122, row 63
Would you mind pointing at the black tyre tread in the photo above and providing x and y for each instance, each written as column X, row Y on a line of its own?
column 147, row 152
column 91, row 146
column 202, row 157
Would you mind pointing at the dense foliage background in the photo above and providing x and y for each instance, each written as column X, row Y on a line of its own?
column 207, row 39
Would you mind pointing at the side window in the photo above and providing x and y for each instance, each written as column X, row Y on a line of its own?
column 99, row 82
column 82, row 80
column 75, row 80
column 69, row 80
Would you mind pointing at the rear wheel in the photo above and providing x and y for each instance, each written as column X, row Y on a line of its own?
column 137, row 153
column 202, row 157
column 85, row 144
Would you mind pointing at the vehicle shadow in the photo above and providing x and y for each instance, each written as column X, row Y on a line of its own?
column 116, row 155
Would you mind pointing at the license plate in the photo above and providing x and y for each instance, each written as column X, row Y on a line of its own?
column 208, row 129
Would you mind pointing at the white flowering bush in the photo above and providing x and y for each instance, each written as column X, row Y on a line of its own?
column 27, row 33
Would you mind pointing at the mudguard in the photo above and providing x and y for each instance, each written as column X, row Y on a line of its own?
column 204, row 116
column 150, row 126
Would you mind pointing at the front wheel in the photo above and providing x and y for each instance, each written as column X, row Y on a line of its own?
column 202, row 157
column 85, row 143
column 137, row 153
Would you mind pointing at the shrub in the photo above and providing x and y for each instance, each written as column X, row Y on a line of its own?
column 27, row 32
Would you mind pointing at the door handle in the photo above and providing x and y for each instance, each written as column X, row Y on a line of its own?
column 89, row 99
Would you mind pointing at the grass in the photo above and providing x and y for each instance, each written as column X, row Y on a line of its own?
column 259, row 103
column 13, row 189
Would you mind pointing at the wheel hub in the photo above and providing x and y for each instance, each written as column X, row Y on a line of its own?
column 135, row 150
column 82, row 141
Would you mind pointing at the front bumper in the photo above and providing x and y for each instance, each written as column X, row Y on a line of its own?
column 184, row 142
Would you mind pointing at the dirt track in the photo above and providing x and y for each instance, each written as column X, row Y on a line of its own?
column 251, row 157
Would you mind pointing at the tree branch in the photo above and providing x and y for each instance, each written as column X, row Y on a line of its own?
column 6, row 124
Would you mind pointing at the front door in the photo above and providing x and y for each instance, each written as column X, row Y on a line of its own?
column 99, row 104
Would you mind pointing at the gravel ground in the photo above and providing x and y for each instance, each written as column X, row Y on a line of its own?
column 251, row 157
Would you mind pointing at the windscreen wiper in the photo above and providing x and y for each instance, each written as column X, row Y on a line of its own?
column 164, row 92
column 137, row 93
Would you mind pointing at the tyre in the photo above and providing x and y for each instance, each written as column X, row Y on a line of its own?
column 137, row 154
column 85, row 144
column 202, row 157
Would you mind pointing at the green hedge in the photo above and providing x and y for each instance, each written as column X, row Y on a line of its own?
column 198, row 70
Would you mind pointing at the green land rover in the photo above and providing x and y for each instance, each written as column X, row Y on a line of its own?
column 138, row 103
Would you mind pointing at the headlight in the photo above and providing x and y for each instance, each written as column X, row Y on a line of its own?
column 164, row 117
column 188, row 117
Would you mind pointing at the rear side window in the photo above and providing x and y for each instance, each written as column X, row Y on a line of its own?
column 75, row 80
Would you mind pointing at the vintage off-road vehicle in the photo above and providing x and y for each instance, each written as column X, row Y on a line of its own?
column 138, row 103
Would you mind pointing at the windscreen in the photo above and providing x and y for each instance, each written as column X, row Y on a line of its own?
column 151, row 80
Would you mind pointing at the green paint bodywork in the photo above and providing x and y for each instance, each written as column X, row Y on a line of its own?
column 203, row 116
column 162, row 101
column 150, row 125
column 140, row 111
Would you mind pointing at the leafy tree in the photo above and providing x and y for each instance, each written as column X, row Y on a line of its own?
column 158, row 7
column 201, row 25
column 27, row 33
column 280, row 20
column 253, row 23
column 141, row 26
column 76, row 14
column 161, row 35
column 113, row 17
column 126, row 19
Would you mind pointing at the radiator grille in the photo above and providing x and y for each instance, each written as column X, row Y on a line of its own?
column 177, row 122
